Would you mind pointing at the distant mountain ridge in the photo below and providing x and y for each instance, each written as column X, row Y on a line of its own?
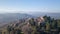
column 8, row 17
column 53, row 15
column 16, row 16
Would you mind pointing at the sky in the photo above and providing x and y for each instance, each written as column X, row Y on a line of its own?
column 27, row 6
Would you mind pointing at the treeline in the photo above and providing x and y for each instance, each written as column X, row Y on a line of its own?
column 44, row 25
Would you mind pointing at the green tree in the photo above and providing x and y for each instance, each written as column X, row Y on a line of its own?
column 8, row 29
column 45, row 18
column 47, row 26
column 32, row 22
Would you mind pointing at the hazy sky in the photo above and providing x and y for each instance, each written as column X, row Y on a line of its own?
column 28, row 6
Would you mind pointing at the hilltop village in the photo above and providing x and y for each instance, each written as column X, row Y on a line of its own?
column 39, row 25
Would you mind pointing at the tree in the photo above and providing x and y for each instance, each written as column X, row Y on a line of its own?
column 55, row 24
column 18, row 31
column 45, row 18
column 32, row 22
column 9, row 29
column 47, row 26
